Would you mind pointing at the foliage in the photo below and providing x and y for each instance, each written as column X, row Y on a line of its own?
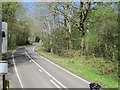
column 18, row 31
column 85, row 68
column 100, row 32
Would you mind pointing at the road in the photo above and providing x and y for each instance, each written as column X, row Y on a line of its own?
column 34, row 71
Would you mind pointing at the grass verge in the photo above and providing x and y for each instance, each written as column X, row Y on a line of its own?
column 80, row 69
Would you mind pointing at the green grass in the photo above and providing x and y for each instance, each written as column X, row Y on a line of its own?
column 81, row 69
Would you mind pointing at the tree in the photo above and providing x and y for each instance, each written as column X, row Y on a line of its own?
column 14, row 14
column 8, row 15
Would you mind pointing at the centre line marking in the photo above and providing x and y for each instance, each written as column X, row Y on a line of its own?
column 45, row 71
column 40, row 70
column 54, row 83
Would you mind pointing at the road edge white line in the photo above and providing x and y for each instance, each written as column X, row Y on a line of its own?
column 54, row 83
column 16, row 69
column 45, row 71
column 61, row 67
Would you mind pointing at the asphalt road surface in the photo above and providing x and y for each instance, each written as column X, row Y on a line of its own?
column 34, row 71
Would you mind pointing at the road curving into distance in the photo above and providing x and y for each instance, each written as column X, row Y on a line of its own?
column 34, row 71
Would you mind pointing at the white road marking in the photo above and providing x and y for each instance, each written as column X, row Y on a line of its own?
column 25, row 47
column 19, row 47
column 16, row 69
column 45, row 71
column 22, row 53
column 61, row 67
column 40, row 70
column 54, row 83
column 34, row 48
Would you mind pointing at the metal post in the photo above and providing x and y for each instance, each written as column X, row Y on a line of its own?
column 4, row 85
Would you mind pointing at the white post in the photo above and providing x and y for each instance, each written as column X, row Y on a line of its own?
column 4, row 41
